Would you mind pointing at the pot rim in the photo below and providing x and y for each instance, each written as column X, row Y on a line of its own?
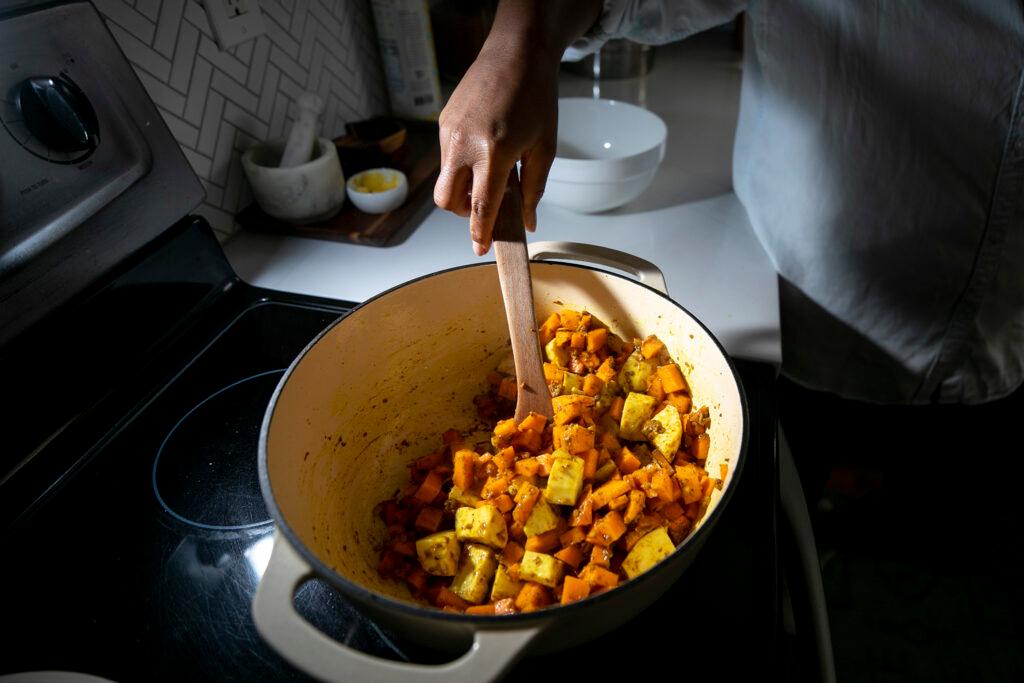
column 361, row 593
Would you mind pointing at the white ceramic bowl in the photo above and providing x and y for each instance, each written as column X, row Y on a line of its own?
column 378, row 202
column 608, row 153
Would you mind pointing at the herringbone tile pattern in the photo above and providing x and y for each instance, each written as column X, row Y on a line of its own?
column 218, row 103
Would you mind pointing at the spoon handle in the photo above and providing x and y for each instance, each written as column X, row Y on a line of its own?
column 509, row 238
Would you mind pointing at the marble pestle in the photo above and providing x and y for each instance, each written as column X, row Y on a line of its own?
column 299, row 148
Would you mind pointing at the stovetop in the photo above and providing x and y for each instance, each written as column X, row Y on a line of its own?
column 135, row 532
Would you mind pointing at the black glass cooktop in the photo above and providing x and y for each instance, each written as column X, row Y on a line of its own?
column 135, row 536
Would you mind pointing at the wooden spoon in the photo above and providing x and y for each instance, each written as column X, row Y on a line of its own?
column 509, row 238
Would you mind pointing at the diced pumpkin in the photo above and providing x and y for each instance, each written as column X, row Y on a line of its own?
column 590, row 463
column 527, row 467
column 464, row 462
column 651, row 347
column 429, row 489
column 534, row 421
column 505, row 606
column 547, row 331
column 627, row 462
column 512, row 553
column 481, row 525
column 545, row 542
column 689, row 483
column 596, row 339
column 612, row 489
column 428, row 519
column 672, row 378
column 447, row 599
column 574, row 589
column 439, row 553
column 680, row 400
column 570, row 318
column 601, row 556
column 526, row 500
column 607, row 530
column 481, row 610
column 635, row 508
column 592, row 385
column 572, row 556
column 616, row 408
column 532, row 597
column 648, row 551
column 599, row 576
column 702, row 446
column 606, row 371
column 476, row 570
column 552, row 373
column 573, row 437
column 505, row 428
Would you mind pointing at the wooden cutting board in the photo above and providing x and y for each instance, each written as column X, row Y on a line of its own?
column 419, row 158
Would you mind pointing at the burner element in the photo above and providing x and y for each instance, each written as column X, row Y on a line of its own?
column 205, row 473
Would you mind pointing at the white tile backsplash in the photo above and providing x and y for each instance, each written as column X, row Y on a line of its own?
column 216, row 103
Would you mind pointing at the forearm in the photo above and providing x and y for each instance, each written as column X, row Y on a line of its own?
column 540, row 29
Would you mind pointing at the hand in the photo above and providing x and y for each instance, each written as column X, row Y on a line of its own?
column 504, row 110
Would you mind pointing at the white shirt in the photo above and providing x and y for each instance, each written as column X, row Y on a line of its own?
column 880, row 156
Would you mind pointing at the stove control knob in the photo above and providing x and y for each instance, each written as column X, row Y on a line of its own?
column 58, row 113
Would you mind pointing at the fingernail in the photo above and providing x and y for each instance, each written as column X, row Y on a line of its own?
column 479, row 249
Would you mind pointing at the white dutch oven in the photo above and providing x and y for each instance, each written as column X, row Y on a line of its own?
column 377, row 388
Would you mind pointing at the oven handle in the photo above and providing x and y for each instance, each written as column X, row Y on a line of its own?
column 298, row 641
column 642, row 269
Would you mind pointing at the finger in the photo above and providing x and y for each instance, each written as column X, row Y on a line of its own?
column 489, row 179
column 451, row 191
column 533, row 177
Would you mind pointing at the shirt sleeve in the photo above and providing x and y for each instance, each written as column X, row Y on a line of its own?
column 652, row 22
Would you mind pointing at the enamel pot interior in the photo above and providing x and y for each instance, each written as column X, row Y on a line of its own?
column 380, row 386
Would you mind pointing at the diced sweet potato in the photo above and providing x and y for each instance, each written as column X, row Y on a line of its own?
column 689, row 483
column 446, row 598
column 607, row 530
column 505, row 606
column 570, row 319
column 596, row 339
column 505, row 428
column 612, row 489
column 572, row 556
column 545, row 542
column 532, row 597
column 534, row 421
column 512, row 553
column 464, row 462
column 574, row 589
column 429, row 519
column 599, row 576
column 651, row 347
column 637, row 500
column 672, row 378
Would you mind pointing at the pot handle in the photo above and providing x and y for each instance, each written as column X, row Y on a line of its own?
column 643, row 270
column 280, row 624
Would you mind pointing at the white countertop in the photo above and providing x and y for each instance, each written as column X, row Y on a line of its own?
column 688, row 223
